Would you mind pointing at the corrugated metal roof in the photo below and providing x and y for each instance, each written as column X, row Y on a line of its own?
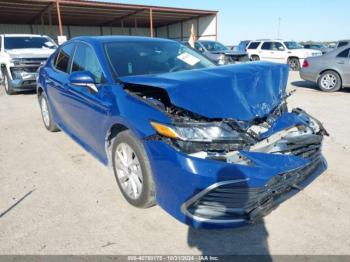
column 79, row 12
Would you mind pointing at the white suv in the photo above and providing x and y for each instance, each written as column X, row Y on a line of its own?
column 280, row 51
column 20, row 58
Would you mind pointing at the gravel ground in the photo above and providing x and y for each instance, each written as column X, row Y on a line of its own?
column 57, row 199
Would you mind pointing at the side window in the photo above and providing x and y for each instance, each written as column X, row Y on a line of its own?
column 344, row 53
column 253, row 45
column 63, row 57
column 85, row 59
column 266, row 46
column 278, row 46
column 0, row 43
column 342, row 44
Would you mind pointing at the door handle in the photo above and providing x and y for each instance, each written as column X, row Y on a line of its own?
column 341, row 62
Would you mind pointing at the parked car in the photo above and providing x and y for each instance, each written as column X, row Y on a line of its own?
column 331, row 71
column 219, row 53
column 242, row 46
column 317, row 46
column 214, row 146
column 342, row 43
column 280, row 51
column 20, row 58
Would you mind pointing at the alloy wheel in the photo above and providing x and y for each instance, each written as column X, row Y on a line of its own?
column 45, row 112
column 293, row 64
column 128, row 170
column 328, row 81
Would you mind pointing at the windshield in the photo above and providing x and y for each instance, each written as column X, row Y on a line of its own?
column 292, row 45
column 214, row 46
column 153, row 57
column 21, row 42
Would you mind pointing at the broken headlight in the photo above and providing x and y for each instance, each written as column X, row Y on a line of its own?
column 199, row 132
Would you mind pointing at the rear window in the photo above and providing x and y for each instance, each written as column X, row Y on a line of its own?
column 63, row 57
column 253, row 45
column 344, row 53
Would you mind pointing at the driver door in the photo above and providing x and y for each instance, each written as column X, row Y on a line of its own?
column 87, row 109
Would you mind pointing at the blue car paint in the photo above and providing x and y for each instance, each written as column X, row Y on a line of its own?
column 246, row 91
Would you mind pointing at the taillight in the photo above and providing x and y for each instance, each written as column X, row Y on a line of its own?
column 306, row 63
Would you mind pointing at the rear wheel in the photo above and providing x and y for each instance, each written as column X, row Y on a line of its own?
column 6, row 83
column 46, row 114
column 255, row 58
column 329, row 81
column 294, row 64
column 132, row 170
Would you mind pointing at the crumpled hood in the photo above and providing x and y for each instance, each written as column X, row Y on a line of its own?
column 241, row 92
column 30, row 52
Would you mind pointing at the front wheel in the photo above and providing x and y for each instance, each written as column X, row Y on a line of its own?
column 294, row 64
column 132, row 170
column 329, row 81
column 46, row 114
column 6, row 83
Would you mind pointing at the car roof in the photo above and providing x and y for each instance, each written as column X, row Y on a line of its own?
column 337, row 50
column 107, row 39
column 268, row 39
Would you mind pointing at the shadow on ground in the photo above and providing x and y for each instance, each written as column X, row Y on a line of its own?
column 248, row 240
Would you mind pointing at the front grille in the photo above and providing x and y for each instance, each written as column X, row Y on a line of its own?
column 34, row 61
column 238, row 201
column 307, row 147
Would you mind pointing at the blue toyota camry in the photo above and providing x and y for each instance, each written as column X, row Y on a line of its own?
column 213, row 146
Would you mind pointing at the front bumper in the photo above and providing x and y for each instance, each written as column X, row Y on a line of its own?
column 216, row 194
column 23, row 81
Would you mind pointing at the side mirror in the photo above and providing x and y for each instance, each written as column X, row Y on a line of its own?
column 281, row 48
column 83, row 78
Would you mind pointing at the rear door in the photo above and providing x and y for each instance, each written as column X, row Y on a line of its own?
column 266, row 51
column 278, row 54
column 343, row 63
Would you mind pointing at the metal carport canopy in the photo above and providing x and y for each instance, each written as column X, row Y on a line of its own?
column 92, row 13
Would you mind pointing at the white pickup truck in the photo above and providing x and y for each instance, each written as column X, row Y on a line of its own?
column 279, row 51
column 20, row 58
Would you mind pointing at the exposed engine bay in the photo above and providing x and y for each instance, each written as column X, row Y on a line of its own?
column 259, row 135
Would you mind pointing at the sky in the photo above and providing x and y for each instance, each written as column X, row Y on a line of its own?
column 301, row 20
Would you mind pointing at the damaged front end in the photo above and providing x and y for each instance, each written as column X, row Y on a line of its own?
column 228, row 171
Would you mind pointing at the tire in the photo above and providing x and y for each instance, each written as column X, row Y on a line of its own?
column 46, row 114
column 255, row 58
column 329, row 81
column 6, row 83
column 294, row 64
column 135, row 179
